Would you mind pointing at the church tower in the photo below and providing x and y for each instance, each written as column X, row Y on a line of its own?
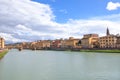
column 107, row 33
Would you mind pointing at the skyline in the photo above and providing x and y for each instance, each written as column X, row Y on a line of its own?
column 29, row 20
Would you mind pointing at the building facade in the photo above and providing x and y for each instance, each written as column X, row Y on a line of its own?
column 2, row 43
column 118, row 41
column 89, row 41
column 26, row 45
column 42, row 44
column 56, row 43
column 70, row 43
column 109, row 41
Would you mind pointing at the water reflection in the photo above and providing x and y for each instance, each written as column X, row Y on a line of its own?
column 53, row 65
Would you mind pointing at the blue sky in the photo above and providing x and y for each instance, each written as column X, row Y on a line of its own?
column 78, row 9
column 31, row 20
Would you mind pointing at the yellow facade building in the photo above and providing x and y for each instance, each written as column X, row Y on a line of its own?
column 2, row 43
column 42, row 44
column 109, row 41
column 70, row 43
column 90, row 41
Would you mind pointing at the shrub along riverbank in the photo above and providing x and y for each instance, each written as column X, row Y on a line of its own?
column 2, row 53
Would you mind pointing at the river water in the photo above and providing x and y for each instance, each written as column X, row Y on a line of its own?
column 59, row 65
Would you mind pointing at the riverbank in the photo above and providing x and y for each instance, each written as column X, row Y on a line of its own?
column 101, row 51
column 2, row 53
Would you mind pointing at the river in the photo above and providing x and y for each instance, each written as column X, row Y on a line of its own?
column 59, row 65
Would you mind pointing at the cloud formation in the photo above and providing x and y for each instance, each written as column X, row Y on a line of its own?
column 26, row 20
column 112, row 6
column 24, row 17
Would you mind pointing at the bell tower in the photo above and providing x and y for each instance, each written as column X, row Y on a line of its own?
column 107, row 32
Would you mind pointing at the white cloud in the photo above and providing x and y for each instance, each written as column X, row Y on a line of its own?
column 21, row 27
column 81, row 27
column 25, row 17
column 25, row 20
column 112, row 6
column 10, row 38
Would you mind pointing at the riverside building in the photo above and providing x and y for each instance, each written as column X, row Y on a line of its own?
column 118, row 41
column 89, row 41
column 42, row 44
column 2, row 43
column 109, row 41
column 70, row 43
